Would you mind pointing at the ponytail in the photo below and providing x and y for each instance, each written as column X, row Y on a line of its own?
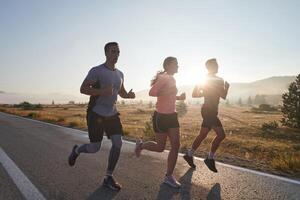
column 165, row 64
column 153, row 81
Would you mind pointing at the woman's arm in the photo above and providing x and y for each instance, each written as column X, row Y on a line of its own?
column 182, row 97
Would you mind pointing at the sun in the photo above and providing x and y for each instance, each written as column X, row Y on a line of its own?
column 194, row 76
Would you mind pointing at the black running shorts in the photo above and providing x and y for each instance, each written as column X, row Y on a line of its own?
column 163, row 122
column 97, row 125
column 210, row 118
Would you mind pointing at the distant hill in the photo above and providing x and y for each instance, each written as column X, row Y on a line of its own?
column 15, row 98
column 272, row 87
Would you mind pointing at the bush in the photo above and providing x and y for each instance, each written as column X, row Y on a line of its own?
column 181, row 108
column 33, row 115
column 60, row 119
column 266, row 107
column 269, row 127
column 288, row 162
column 140, row 111
column 150, row 104
column 125, row 132
column 28, row 106
column 73, row 124
column 148, row 130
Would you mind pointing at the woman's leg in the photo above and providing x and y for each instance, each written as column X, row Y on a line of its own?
column 173, row 134
column 158, row 145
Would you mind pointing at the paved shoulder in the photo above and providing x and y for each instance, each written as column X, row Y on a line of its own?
column 40, row 151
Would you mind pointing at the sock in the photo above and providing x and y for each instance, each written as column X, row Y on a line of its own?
column 190, row 152
column 211, row 155
column 108, row 173
column 76, row 150
column 81, row 149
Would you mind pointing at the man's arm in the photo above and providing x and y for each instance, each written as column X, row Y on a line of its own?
column 86, row 88
column 126, row 95
column 197, row 92
column 225, row 91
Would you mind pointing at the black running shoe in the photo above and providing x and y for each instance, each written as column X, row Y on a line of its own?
column 73, row 156
column 210, row 163
column 110, row 182
column 189, row 160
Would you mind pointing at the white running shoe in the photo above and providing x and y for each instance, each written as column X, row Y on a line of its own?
column 138, row 148
column 171, row 181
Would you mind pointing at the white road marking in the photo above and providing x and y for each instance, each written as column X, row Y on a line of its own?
column 28, row 190
column 80, row 133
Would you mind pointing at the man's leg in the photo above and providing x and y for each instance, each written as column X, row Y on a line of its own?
column 217, row 141
column 113, row 158
column 188, row 157
column 95, row 130
column 114, row 153
column 209, row 161
column 198, row 140
column 92, row 147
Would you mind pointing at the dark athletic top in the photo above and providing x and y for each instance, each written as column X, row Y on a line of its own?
column 212, row 90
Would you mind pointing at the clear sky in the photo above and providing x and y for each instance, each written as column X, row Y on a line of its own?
column 49, row 46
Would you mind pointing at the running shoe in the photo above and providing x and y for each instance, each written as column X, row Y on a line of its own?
column 189, row 160
column 111, row 183
column 171, row 181
column 73, row 156
column 210, row 163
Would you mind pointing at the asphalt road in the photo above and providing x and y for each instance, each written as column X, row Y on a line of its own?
column 38, row 152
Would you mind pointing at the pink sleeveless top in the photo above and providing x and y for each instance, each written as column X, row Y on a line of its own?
column 164, row 104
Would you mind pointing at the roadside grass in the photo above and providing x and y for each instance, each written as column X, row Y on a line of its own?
column 246, row 144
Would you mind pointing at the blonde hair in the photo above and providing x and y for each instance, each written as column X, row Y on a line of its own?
column 166, row 62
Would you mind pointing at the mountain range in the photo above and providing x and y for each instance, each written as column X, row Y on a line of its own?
column 271, row 87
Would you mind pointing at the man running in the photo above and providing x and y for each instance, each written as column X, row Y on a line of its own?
column 103, row 83
column 212, row 90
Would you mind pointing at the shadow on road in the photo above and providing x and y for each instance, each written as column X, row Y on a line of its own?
column 215, row 192
column 186, row 184
column 166, row 192
column 102, row 193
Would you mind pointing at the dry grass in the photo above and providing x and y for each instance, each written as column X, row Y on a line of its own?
column 245, row 145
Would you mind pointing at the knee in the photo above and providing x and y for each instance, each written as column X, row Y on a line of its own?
column 221, row 136
column 93, row 147
column 177, row 145
column 160, row 148
column 117, row 143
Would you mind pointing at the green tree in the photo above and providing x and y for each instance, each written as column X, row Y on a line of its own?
column 291, row 105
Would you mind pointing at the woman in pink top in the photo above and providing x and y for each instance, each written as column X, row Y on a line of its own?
column 165, row 121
